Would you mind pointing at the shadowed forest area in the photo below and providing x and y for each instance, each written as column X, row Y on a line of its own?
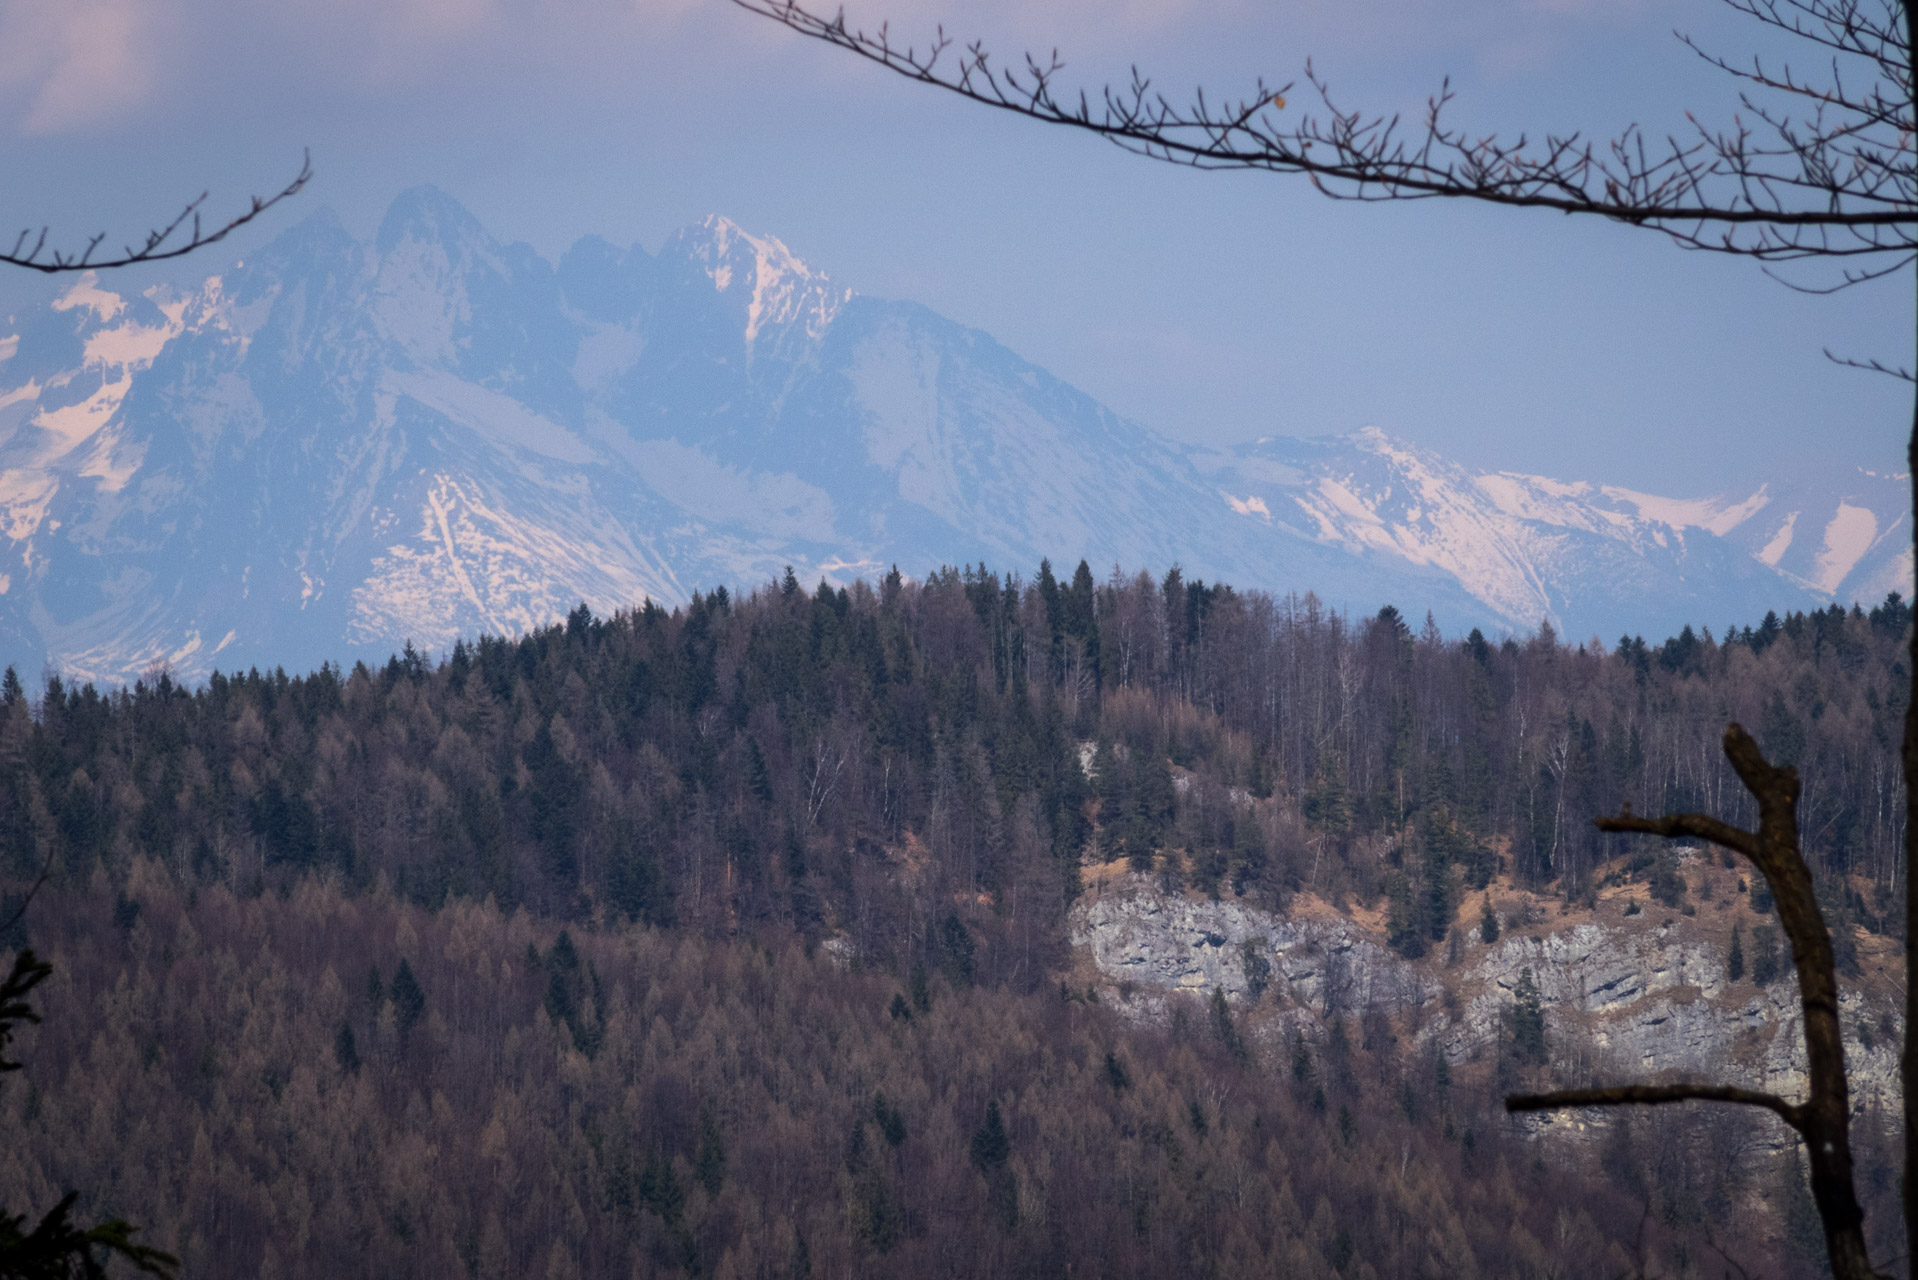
column 732, row 940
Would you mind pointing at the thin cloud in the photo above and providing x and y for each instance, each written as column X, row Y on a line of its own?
column 80, row 63
column 88, row 64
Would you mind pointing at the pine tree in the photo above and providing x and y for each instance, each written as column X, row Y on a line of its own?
column 1528, row 1020
column 958, row 948
column 1735, row 962
column 409, row 1002
column 709, row 1162
column 892, row 1125
column 1224, row 1027
column 1487, row 922
column 758, row 778
column 1404, row 929
column 1764, row 955
column 990, row 1144
column 1258, row 969
column 1301, row 1060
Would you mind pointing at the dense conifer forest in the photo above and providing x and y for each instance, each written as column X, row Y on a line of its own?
column 731, row 940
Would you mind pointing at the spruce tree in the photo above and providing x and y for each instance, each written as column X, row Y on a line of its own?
column 709, row 1163
column 1528, row 1020
column 1224, row 1027
column 1735, row 961
column 990, row 1144
column 892, row 1125
column 1764, row 955
column 1487, row 922
column 409, row 1002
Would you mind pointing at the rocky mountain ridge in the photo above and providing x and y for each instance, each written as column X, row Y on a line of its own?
column 338, row 446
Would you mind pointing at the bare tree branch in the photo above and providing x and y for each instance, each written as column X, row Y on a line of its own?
column 1684, row 826
column 176, row 239
column 1871, row 366
column 1824, row 1118
column 1653, row 1095
column 1839, row 182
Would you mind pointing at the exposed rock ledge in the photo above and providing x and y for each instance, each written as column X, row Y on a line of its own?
column 1627, row 997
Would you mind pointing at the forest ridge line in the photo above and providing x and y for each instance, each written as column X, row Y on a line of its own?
column 742, row 795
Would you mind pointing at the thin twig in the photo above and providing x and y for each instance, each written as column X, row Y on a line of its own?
column 30, row 249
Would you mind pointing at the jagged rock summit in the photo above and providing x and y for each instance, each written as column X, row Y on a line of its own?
column 337, row 446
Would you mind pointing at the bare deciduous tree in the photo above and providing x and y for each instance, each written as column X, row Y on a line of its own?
column 1823, row 1120
column 1811, row 169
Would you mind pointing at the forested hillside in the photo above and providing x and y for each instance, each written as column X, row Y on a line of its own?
column 323, row 1085
column 715, row 940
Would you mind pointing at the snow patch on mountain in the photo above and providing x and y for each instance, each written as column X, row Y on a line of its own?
column 496, row 417
column 1573, row 553
column 338, row 446
column 87, row 294
column 1250, row 506
column 776, row 505
column 1716, row 515
column 473, row 564
column 780, row 290
column 1848, row 537
column 1780, row 542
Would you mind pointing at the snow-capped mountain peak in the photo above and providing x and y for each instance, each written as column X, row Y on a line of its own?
column 777, row 290
column 341, row 445
column 1534, row 548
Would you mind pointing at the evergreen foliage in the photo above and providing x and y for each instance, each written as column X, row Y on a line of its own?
column 1528, row 1020
column 409, row 1002
column 990, row 1143
column 56, row 1248
column 692, row 801
column 709, row 1161
column 716, row 761
column 1765, row 959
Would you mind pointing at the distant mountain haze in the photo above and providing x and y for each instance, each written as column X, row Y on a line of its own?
column 338, row 446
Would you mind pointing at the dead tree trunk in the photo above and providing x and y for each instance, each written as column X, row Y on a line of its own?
column 1908, row 1063
column 1823, row 1120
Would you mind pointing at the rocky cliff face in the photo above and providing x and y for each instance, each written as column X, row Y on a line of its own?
column 1625, row 998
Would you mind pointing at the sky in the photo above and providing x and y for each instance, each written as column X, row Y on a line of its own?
column 1212, row 307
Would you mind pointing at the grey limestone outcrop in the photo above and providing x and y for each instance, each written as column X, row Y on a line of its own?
column 1627, row 999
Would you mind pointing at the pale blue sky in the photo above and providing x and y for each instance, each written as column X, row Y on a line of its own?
column 1213, row 307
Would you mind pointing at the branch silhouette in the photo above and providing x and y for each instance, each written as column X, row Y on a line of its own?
column 175, row 239
column 1836, row 182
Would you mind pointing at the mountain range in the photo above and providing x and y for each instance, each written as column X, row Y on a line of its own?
column 335, row 446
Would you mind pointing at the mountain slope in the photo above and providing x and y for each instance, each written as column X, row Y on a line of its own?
column 1589, row 558
column 338, row 446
